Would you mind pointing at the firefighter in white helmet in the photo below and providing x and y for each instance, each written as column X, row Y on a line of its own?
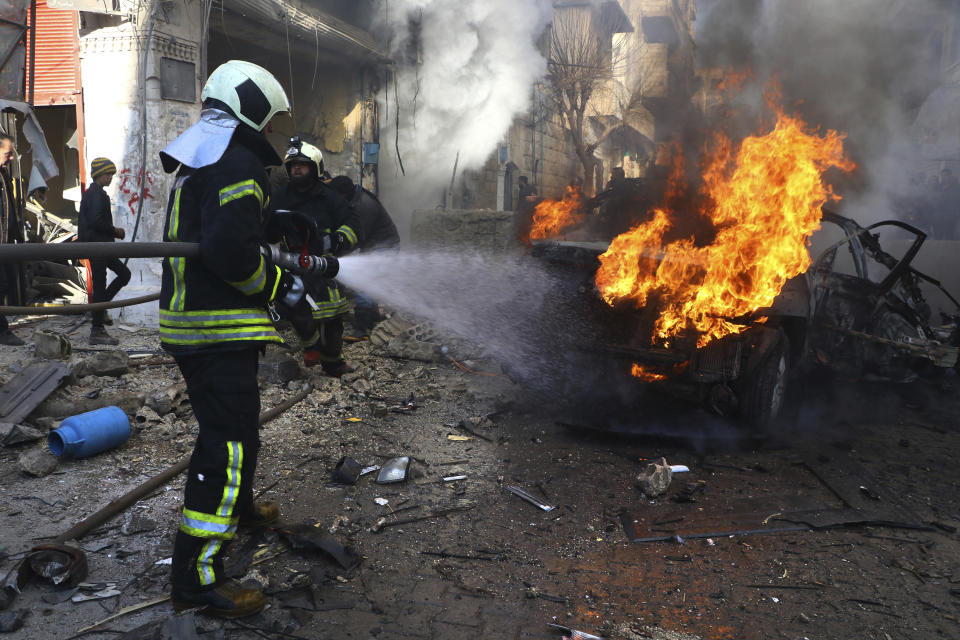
column 334, row 220
column 215, row 319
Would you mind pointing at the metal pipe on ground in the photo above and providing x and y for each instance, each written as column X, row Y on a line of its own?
column 97, row 250
column 131, row 497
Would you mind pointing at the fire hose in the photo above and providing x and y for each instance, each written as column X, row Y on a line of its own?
column 301, row 263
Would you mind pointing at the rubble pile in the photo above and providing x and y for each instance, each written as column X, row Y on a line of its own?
column 418, row 494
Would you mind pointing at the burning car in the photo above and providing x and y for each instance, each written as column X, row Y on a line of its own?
column 716, row 292
column 870, row 319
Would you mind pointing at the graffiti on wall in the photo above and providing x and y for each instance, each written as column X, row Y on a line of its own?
column 129, row 187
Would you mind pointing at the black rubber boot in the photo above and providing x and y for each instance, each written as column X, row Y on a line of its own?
column 261, row 514
column 99, row 335
column 225, row 600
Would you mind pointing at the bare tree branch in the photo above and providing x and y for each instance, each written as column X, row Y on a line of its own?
column 582, row 61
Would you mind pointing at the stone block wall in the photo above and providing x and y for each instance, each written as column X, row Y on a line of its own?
column 480, row 229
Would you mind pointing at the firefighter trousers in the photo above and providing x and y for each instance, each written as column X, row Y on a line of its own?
column 225, row 397
column 324, row 336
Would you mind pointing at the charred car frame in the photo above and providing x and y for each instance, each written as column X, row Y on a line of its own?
column 860, row 326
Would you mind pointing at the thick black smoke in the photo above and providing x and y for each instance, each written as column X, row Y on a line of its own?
column 863, row 67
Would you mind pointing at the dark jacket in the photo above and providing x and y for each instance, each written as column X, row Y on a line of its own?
column 219, row 300
column 332, row 214
column 377, row 230
column 96, row 217
column 327, row 208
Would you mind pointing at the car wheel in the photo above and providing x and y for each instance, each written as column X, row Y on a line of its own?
column 765, row 389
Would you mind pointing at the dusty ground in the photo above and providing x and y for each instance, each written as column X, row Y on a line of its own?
column 498, row 566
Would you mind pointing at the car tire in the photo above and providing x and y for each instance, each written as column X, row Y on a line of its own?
column 764, row 390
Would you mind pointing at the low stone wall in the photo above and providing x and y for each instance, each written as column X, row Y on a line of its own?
column 482, row 229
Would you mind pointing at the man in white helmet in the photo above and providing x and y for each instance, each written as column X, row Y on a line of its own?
column 321, row 330
column 215, row 319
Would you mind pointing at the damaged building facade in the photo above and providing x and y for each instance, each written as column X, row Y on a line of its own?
column 632, row 116
column 122, row 79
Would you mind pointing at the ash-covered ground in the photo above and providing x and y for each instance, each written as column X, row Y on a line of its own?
column 466, row 558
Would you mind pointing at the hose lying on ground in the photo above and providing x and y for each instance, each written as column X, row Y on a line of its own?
column 97, row 250
column 72, row 309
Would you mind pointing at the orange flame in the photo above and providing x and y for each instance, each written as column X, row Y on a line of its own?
column 765, row 201
column 551, row 217
column 638, row 371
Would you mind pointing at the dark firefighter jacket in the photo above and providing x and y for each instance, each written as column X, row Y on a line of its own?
column 219, row 300
column 95, row 218
column 377, row 228
column 332, row 214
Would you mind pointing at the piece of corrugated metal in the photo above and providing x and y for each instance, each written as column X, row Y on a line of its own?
column 30, row 387
column 58, row 51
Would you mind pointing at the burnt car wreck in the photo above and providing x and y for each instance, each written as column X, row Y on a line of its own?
column 869, row 320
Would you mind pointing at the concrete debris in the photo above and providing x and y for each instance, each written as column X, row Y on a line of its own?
column 37, row 462
column 147, row 417
column 113, row 363
column 11, row 434
column 63, row 407
column 398, row 338
column 172, row 399
column 278, row 368
column 50, row 344
column 323, row 398
column 655, row 479
column 635, row 632
column 134, row 523
column 11, row 621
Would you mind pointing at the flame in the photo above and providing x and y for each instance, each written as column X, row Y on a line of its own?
column 638, row 371
column 765, row 200
column 734, row 79
column 551, row 217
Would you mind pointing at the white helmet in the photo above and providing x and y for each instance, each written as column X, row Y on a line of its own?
column 251, row 92
column 301, row 151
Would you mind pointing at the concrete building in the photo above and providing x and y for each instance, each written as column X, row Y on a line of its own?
column 142, row 64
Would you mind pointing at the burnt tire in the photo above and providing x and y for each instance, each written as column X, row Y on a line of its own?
column 763, row 391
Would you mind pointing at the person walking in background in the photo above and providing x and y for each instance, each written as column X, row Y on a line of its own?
column 96, row 225
column 9, row 232
column 377, row 232
column 527, row 200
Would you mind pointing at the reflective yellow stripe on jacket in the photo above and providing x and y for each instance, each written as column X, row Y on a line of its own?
column 216, row 325
column 239, row 190
column 350, row 233
column 177, row 264
column 257, row 281
column 334, row 306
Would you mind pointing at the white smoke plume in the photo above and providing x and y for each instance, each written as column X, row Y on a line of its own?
column 464, row 70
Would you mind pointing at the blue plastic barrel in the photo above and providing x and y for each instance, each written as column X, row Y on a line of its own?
column 88, row 433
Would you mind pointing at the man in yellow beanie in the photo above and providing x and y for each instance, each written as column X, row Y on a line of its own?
column 96, row 225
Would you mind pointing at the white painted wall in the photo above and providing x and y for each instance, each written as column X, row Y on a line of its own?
column 110, row 68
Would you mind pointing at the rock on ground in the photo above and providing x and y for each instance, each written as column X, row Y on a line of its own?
column 37, row 462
